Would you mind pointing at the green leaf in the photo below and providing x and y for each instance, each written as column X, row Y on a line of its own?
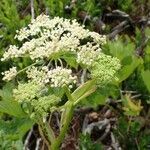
column 84, row 90
column 7, row 103
column 120, row 49
column 71, row 60
column 146, row 76
column 86, row 143
column 127, row 70
column 16, row 128
column 11, row 108
column 97, row 98
column 88, row 93
column 100, row 96
column 6, row 92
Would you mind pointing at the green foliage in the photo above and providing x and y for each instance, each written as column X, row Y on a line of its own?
column 12, row 133
column 130, row 131
column 131, row 108
column 11, row 22
column 125, row 52
column 8, row 104
column 56, row 8
column 128, row 69
column 83, row 91
column 87, row 144
column 146, row 76
column 101, row 95
column 6, row 144
column 16, row 128
column 125, row 5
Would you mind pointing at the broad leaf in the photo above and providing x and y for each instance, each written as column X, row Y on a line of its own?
column 8, row 104
column 146, row 78
column 127, row 70
column 120, row 49
column 100, row 96
column 16, row 128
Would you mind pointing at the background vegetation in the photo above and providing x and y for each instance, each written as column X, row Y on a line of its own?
column 117, row 117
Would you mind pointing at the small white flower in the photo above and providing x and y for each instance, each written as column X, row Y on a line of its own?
column 61, row 76
column 97, row 38
column 9, row 74
column 22, row 34
column 12, row 52
column 88, row 54
column 46, row 37
column 38, row 76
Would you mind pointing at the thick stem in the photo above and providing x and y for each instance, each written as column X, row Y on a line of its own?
column 43, row 137
column 48, row 133
column 68, row 113
column 63, row 131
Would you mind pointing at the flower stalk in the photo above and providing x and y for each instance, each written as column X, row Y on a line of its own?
column 68, row 115
column 65, row 124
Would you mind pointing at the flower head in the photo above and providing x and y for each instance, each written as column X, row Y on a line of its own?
column 57, row 44
column 60, row 77
column 27, row 91
column 87, row 54
column 105, row 68
column 44, row 37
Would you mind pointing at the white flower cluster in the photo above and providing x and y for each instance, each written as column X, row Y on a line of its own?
column 9, row 74
column 97, row 38
column 12, row 52
column 27, row 91
column 105, row 68
column 45, row 37
column 38, row 76
column 60, row 77
column 57, row 77
column 88, row 54
column 47, row 40
column 47, row 43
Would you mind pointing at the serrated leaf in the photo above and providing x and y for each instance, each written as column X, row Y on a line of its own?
column 11, row 108
column 16, row 128
column 120, row 49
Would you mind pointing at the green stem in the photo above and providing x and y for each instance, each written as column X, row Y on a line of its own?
column 43, row 136
column 67, row 119
column 48, row 132
column 63, row 131
column 68, row 94
column 39, row 62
